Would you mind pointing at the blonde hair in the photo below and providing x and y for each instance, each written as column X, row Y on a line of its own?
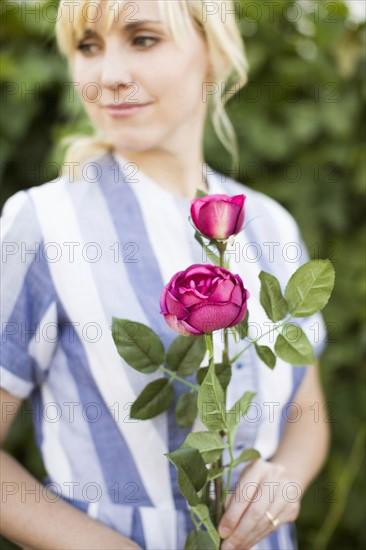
column 214, row 18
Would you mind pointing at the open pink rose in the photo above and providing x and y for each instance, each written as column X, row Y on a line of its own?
column 203, row 298
column 218, row 216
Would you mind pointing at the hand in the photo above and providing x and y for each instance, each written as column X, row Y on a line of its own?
column 263, row 487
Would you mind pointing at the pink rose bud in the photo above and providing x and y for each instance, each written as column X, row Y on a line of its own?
column 218, row 216
column 203, row 298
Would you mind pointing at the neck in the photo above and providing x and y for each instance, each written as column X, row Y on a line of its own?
column 178, row 174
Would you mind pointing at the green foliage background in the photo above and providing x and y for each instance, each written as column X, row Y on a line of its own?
column 302, row 141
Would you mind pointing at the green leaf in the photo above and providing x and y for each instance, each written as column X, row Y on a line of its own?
column 247, row 454
column 213, row 473
column 211, row 401
column 199, row 540
column 186, row 410
column 293, row 346
column 310, row 287
column 209, row 444
column 238, row 411
column 242, row 328
column 138, row 345
column 154, row 399
column 271, row 297
column 266, row 355
column 223, row 373
column 185, row 354
column 200, row 194
column 203, row 514
column 192, row 472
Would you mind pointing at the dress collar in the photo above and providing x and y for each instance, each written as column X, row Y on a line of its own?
column 140, row 177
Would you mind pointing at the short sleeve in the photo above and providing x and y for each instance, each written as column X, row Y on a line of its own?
column 28, row 300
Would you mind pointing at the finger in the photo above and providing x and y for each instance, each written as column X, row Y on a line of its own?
column 254, row 525
column 284, row 507
column 245, row 493
column 265, row 527
column 269, row 522
column 276, row 511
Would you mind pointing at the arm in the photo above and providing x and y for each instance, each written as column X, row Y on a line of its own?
column 305, row 443
column 279, row 484
column 33, row 522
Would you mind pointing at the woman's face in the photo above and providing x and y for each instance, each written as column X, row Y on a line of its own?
column 137, row 85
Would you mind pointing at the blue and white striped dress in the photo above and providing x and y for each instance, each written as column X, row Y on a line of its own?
column 76, row 253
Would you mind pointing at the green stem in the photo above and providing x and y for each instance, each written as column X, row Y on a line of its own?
column 174, row 376
column 218, row 494
column 220, row 491
column 225, row 354
column 218, row 463
column 231, row 361
column 209, row 345
column 221, row 247
column 230, row 467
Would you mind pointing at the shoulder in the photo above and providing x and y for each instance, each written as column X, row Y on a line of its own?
column 21, row 219
column 20, row 209
column 71, row 183
column 24, row 199
column 18, row 219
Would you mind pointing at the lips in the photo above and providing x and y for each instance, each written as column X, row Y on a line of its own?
column 125, row 109
column 119, row 106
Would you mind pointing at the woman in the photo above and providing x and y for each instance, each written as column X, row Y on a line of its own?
column 106, row 238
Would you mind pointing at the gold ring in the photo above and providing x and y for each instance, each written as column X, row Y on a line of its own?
column 274, row 521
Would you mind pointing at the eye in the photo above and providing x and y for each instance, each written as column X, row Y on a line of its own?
column 88, row 49
column 144, row 42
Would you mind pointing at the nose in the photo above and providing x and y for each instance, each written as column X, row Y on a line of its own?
column 115, row 69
